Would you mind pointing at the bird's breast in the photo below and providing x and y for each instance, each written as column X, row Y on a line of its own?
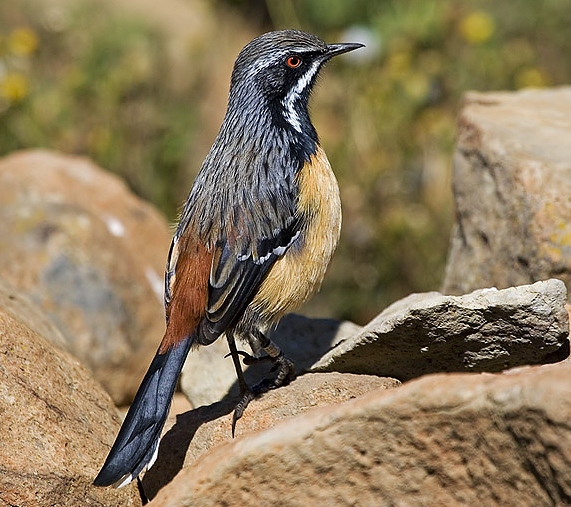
column 299, row 272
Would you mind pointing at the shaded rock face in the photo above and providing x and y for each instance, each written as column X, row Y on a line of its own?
column 28, row 314
column 512, row 174
column 75, row 241
column 458, row 439
column 208, row 374
column 487, row 330
column 57, row 423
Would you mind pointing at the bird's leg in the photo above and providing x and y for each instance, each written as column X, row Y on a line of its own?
column 284, row 366
column 244, row 389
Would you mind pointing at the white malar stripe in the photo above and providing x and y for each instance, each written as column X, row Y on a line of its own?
column 288, row 102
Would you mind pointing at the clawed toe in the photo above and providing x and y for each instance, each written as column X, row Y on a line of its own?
column 286, row 373
column 247, row 397
column 249, row 359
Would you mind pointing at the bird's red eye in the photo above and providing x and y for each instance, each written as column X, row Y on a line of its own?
column 293, row 62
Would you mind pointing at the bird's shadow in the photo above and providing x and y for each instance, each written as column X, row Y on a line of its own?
column 176, row 441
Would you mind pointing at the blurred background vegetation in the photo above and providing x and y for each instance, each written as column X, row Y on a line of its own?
column 140, row 87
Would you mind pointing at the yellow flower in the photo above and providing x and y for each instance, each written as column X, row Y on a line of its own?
column 477, row 27
column 14, row 87
column 22, row 41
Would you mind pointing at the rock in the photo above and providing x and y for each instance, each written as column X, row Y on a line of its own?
column 305, row 339
column 25, row 311
column 57, row 423
column 512, row 181
column 208, row 375
column 488, row 330
column 455, row 439
column 199, row 430
column 79, row 244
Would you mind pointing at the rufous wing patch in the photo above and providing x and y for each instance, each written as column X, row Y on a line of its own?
column 189, row 293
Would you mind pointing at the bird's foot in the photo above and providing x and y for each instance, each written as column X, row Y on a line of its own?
column 249, row 359
column 285, row 374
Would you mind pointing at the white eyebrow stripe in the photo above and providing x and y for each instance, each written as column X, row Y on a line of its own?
column 265, row 63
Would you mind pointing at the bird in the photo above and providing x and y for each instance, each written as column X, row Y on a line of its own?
column 253, row 241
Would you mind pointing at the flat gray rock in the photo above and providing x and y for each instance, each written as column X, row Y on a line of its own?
column 488, row 330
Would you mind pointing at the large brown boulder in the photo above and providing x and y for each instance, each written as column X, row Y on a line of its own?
column 512, row 181
column 448, row 439
column 57, row 422
column 199, row 430
column 77, row 242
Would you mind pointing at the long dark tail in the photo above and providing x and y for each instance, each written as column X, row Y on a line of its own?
column 137, row 443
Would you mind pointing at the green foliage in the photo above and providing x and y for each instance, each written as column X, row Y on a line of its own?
column 87, row 80
column 95, row 84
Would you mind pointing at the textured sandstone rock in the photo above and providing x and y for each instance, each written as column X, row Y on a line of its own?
column 57, row 423
column 208, row 375
column 512, row 189
column 488, row 330
column 454, row 440
column 77, row 242
column 199, row 430
column 25, row 311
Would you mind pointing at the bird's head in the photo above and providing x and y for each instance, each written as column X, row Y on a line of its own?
column 278, row 70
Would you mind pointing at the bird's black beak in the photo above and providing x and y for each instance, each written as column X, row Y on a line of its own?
column 339, row 49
